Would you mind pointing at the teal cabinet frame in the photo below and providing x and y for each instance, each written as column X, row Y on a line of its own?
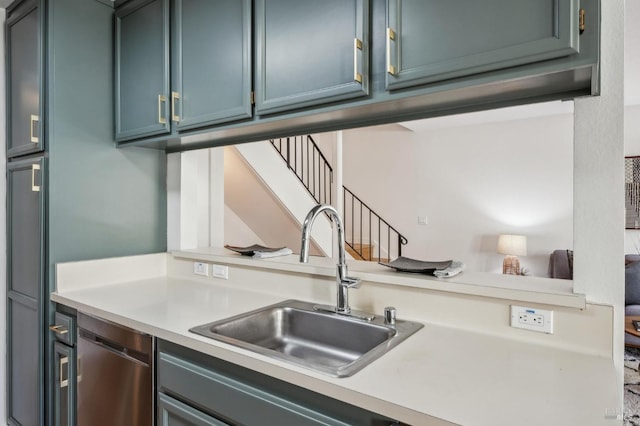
column 538, row 51
column 211, row 62
column 142, row 69
column 26, row 290
column 310, row 53
column 94, row 201
column 432, row 40
column 224, row 391
column 24, row 69
column 65, row 384
column 181, row 65
column 172, row 412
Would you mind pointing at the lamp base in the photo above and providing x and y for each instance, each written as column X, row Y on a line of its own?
column 511, row 265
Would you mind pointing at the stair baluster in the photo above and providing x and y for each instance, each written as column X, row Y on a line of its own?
column 301, row 154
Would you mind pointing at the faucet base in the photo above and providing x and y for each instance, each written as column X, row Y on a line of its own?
column 353, row 313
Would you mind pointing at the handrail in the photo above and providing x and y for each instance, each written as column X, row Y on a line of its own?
column 366, row 222
column 306, row 161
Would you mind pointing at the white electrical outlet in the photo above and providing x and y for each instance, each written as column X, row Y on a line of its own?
column 422, row 220
column 200, row 268
column 220, row 271
column 532, row 319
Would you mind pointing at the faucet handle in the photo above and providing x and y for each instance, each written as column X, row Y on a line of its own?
column 390, row 315
column 350, row 282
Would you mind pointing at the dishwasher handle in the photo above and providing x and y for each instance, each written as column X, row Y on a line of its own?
column 121, row 351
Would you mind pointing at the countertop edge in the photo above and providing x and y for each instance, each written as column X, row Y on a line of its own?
column 490, row 285
column 262, row 364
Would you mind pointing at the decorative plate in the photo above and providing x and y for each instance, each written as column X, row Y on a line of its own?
column 250, row 250
column 405, row 264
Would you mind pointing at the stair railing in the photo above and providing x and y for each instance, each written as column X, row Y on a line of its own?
column 363, row 226
column 305, row 160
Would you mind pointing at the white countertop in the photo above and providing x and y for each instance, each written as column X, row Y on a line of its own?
column 440, row 372
column 522, row 288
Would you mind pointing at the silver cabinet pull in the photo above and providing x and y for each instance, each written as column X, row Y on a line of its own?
column 34, row 187
column 161, row 118
column 357, row 45
column 391, row 35
column 34, row 119
column 64, row 361
column 60, row 329
column 174, row 96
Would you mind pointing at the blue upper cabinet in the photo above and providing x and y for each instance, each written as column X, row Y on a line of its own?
column 24, row 73
column 201, row 78
column 310, row 52
column 435, row 40
column 211, row 59
column 142, row 69
column 332, row 64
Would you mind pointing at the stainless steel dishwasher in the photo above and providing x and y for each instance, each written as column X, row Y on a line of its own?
column 115, row 374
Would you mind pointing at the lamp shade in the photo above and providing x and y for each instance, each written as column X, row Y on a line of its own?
column 513, row 245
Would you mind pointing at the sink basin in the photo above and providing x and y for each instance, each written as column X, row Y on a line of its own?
column 293, row 331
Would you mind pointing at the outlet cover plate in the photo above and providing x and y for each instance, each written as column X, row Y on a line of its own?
column 532, row 319
column 201, row 268
column 220, row 271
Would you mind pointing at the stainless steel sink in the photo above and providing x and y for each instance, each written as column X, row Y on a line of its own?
column 327, row 342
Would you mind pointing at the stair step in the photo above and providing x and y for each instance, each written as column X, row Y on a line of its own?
column 366, row 250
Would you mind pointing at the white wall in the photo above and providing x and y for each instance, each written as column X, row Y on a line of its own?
column 237, row 232
column 472, row 183
column 599, row 178
column 268, row 199
column 195, row 199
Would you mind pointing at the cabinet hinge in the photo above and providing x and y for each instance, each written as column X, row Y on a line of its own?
column 582, row 19
column 253, row 98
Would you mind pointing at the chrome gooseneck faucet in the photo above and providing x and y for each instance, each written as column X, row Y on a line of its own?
column 344, row 282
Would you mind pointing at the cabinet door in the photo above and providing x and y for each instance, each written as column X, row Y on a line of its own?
column 24, row 53
column 211, row 58
column 310, row 52
column 25, row 291
column 142, row 69
column 249, row 398
column 65, row 385
column 172, row 412
column 434, row 40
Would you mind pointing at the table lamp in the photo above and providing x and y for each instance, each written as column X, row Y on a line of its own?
column 512, row 246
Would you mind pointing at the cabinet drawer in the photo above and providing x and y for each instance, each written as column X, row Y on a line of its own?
column 231, row 399
column 238, row 395
column 64, row 386
column 64, row 328
column 172, row 412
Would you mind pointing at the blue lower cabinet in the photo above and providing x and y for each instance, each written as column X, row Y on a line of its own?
column 172, row 412
column 25, row 298
column 65, row 385
column 224, row 392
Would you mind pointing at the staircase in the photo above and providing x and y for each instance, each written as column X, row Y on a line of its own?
column 367, row 235
column 364, row 252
